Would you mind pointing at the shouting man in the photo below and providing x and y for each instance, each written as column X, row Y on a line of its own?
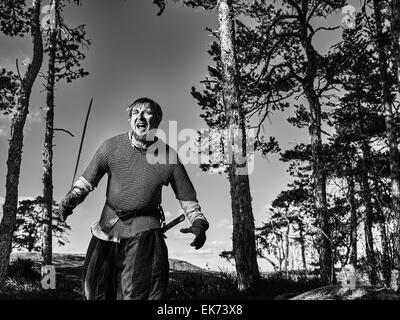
column 127, row 256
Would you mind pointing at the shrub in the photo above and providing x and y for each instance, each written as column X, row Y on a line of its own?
column 196, row 285
column 276, row 285
column 223, row 285
column 25, row 269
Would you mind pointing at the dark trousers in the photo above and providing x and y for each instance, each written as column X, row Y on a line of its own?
column 134, row 269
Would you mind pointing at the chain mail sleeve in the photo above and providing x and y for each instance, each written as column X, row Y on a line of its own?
column 97, row 167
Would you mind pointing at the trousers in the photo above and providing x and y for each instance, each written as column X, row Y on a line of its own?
column 136, row 268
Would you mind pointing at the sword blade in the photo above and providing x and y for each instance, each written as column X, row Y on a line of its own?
column 82, row 139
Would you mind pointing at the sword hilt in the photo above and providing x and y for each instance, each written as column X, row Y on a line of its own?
column 173, row 223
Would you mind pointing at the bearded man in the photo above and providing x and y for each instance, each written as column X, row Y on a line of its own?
column 127, row 258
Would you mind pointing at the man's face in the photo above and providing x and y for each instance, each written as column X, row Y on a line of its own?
column 142, row 121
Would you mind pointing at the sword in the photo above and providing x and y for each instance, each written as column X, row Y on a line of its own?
column 82, row 139
column 173, row 223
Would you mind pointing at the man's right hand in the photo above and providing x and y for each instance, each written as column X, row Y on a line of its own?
column 70, row 201
column 64, row 210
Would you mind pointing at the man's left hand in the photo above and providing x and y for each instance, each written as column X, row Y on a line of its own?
column 198, row 228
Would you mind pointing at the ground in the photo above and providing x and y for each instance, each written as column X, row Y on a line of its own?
column 185, row 279
column 363, row 292
column 187, row 282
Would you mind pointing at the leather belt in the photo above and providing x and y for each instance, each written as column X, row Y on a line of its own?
column 125, row 215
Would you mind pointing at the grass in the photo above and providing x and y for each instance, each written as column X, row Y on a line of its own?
column 224, row 286
column 24, row 283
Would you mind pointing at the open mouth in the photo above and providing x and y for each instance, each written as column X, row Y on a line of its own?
column 141, row 125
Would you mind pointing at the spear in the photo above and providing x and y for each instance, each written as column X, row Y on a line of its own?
column 82, row 139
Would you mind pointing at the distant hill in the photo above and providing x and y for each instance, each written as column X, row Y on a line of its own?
column 180, row 265
column 77, row 260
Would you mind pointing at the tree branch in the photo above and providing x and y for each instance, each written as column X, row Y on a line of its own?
column 58, row 129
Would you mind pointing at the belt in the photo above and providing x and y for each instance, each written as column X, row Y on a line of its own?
column 125, row 215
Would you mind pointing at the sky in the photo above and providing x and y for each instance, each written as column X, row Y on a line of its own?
column 135, row 53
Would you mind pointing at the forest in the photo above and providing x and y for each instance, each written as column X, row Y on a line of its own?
column 341, row 210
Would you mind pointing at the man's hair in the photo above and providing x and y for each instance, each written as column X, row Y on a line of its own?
column 147, row 102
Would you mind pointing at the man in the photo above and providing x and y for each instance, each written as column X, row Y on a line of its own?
column 127, row 258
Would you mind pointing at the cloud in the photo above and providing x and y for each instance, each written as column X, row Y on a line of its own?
column 21, row 198
column 5, row 124
column 34, row 116
column 3, row 132
column 7, row 63
column 217, row 243
column 225, row 223
column 177, row 235
column 6, row 117
column 167, row 214
column 203, row 252
column 26, row 61
column 267, row 207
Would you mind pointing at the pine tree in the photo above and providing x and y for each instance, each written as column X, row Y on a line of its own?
column 395, row 29
column 243, row 222
column 31, row 216
column 26, row 19
column 288, row 32
column 382, row 46
column 64, row 46
column 234, row 96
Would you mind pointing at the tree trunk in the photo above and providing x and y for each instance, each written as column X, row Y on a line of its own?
column 287, row 250
column 281, row 257
column 318, row 172
column 302, row 245
column 244, row 244
column 353, row 213
column 353, row 227
column 319, row 177
column 16, row 143
column 293, row 258
column 386, row 261
column 48, row 145
column 366, row 192
column 395, row 170
column 394, row 157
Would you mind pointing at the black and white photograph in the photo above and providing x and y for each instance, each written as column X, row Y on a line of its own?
column 200, row 150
